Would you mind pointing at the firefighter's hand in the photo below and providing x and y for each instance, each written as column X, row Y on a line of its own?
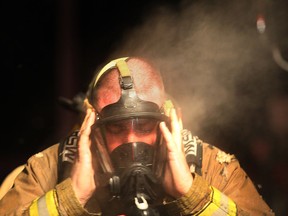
column 85, row 166
column 178, row 178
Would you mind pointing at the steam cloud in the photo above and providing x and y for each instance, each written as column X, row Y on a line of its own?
column 214, row 61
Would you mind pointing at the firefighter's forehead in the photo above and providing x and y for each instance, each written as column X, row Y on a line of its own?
column 107, row 97
column 108, row 90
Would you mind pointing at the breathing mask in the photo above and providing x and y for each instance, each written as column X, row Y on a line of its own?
column 129, row 143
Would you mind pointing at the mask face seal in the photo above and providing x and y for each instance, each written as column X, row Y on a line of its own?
column 130, row 146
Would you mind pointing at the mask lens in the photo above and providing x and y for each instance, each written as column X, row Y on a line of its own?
column 130, row 130
column 138, row 126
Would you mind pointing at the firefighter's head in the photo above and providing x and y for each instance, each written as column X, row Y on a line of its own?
column 128, row 96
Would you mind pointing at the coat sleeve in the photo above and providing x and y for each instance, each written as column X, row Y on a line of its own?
column 35, row 190
column 60, row 201
column 223, row 189
column 38, row 177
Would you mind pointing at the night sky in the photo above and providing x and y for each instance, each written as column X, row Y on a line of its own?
column 225, row 67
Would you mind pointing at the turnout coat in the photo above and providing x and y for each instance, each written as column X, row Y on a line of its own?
column 220, row 186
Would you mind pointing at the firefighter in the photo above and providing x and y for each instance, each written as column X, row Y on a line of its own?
column 132, row 156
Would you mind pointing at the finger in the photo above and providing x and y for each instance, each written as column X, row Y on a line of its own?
column 85, row 121
column 84, row 142
column 168, row 137
column 179, row 114
column 176, row 129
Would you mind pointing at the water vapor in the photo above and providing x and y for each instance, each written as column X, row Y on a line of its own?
column 212, row 58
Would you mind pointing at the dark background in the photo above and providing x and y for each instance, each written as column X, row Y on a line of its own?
column 50, row 49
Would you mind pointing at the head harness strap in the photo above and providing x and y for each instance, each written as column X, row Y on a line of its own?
column 112, row 64
column 125, row 75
